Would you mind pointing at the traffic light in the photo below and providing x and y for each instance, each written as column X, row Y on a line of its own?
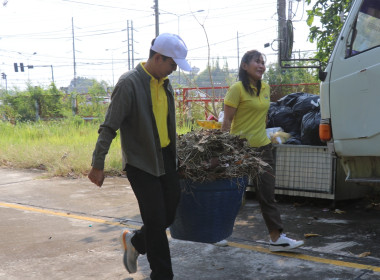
column 3, row 75
column 22, row 67
column 16, row 66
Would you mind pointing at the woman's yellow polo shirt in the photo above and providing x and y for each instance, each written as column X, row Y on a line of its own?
column 250, row 118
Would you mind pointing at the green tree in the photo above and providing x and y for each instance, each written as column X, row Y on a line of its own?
column 221, row 77
column 20, row 107
column 34, row 103
column 48, row 102
column 80, row 84
column 291, row 79
column 93, row 103
column 275, row 75
column 98, row 90
column 330, row 14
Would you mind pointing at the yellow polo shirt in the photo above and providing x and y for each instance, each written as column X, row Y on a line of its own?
column 250, row 118
column 160, row 107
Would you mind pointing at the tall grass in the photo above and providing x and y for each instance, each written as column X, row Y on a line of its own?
column 185, row 128
column 62, row 148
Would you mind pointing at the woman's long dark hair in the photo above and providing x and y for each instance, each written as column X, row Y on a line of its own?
column 243, row 76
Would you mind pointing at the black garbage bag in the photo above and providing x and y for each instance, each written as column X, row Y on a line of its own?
column 290, row 99
column 310, row 128
column 273, row 108
column 283, row 117
column 294, row 140
column 305, row 103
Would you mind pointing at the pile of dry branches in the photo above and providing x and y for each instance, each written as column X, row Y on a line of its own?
column 208, row 155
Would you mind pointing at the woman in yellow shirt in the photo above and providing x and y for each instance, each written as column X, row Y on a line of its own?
column 246, row 107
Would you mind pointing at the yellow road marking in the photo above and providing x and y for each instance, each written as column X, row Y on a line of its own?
column 306, row 257
column 233, row 244
column 68, row 215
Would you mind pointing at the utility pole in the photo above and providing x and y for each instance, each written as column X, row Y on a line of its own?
column 75, row 66
column 157, row 17
column 133, row 49
column 131, row 55
column 52, row 73
column 281, row 12
column 290, row 7
column 129, row 46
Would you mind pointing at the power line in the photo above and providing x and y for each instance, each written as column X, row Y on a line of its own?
column 104, row 6
column 33, row 34
column 38, row 36
column 231, row 39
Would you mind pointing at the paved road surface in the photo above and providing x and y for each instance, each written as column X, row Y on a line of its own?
column 63, row 228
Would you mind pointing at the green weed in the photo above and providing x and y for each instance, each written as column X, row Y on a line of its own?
column 62, row 148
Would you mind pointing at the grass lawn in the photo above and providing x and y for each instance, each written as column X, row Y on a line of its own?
column 62, row 148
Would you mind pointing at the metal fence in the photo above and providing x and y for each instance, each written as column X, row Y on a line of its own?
column 206, row 95
column 48, row 107
column 52, row 106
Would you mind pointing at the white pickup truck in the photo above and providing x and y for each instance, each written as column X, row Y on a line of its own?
column 350, row 95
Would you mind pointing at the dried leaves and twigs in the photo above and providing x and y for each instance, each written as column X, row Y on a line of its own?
column 208, row 155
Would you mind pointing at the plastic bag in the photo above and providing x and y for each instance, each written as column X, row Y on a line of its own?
column 279, row 137
column 212, row 118
column 221, row 116
column 310, row 128
column 209, row 124
column 282, row 116
column 273, row 108
column 273, row 130
column 305, row 103
column 294, row 140
column 290, row 99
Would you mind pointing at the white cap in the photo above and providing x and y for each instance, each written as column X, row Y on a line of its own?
column 171, row 45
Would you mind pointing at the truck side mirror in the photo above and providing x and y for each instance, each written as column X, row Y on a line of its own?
column 322, row 75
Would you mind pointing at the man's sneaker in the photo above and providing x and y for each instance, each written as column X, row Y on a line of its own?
column 130, row 253
column 284, row 244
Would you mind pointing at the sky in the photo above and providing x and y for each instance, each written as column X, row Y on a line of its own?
column 41, row 32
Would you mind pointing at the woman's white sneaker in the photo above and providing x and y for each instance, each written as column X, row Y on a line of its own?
column 284, row 244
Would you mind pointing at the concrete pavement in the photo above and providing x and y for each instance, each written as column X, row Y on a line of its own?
column 62, row 228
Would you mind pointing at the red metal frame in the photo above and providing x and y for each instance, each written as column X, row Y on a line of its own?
column 186, row 100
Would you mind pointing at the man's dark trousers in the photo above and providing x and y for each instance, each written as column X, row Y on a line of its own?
column 158, row 199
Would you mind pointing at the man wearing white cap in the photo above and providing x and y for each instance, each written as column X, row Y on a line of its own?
column 142, row 107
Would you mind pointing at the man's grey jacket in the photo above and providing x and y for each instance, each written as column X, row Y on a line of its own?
column 131, row 112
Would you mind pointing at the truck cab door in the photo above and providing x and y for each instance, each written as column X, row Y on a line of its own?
column 355, row 90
